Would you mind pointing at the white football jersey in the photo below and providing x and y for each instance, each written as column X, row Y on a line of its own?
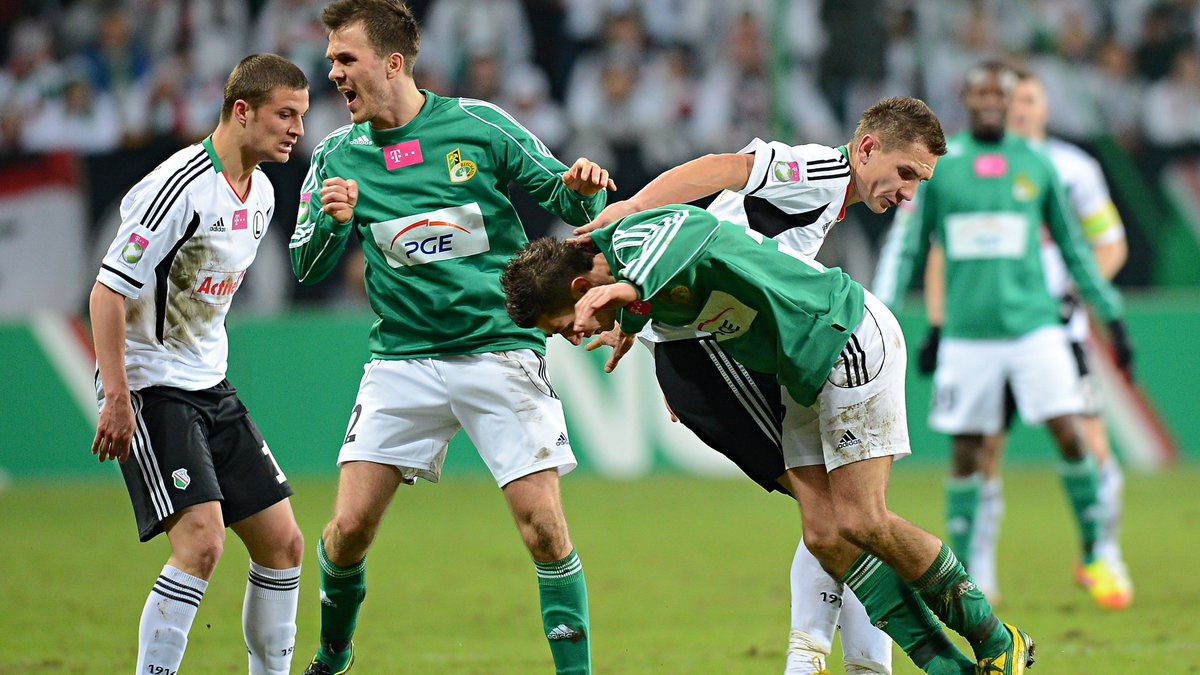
column 1083, row 180
column 795, row 194
column 182, row 250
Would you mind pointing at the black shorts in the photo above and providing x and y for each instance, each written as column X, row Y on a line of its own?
column 735, row 411
column 192, row 447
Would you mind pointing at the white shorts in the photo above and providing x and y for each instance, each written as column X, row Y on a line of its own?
column 859, row 413
column 408, row 410
column 968, row 385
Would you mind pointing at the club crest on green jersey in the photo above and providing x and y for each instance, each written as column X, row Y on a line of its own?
column 461, row 170
column 1023, row 189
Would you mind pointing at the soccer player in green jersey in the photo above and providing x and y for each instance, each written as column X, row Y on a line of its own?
column 834, row 348
column 422, row 181
column 1001, row 324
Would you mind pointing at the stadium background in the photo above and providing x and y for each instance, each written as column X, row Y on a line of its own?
column 94, row 93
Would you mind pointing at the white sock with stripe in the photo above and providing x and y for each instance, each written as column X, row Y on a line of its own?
column 166, row 619
column 269, row 618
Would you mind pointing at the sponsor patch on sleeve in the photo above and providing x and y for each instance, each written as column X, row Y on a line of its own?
column 134, row 249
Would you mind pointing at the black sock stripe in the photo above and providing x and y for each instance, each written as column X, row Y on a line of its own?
column 927, row 648
column 983, row 630
column 177, row 598
column 274, row 584
column 176, row 587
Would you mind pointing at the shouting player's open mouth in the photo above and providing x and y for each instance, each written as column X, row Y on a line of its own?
column 351, row 96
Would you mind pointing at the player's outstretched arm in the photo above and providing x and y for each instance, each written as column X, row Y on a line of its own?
column 685, row 183
column 587, row 178
column 114, row 430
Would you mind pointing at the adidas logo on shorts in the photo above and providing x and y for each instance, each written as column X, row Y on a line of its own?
column 562, row 440
column 848, row 439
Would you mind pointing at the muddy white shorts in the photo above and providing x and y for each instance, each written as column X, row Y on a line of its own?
column 859, row 413
column 408, row 410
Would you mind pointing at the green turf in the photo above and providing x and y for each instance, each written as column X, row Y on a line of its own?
column 686, row 576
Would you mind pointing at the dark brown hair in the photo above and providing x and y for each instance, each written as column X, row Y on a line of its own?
column 255, row 77
column 538, row 281
column 901, row 122
column 389, row 25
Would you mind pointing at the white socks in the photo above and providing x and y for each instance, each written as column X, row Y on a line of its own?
column 166, row 619
column 269, row 618
column 818, row 602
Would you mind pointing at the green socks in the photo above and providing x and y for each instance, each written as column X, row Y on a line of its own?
column 342, row 593
column 1081, row 480
column 951, row 594
column 896, row 609
column 563, row 592
column 962, row 503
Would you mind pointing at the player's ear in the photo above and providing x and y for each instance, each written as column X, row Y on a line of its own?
column 395, row 64
column 868, row 146
column 579, row 286
column 241, row 111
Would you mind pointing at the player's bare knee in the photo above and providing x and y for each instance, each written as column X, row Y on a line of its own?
column 292, row 550
column 546, row 538
column 823, row 542
column 351, row 534
column 199, row 551
column 864, row 530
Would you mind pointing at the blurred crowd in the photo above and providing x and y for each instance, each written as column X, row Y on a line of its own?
column 635, row 84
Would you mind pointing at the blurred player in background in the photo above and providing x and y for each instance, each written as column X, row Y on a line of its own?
column 838, row 353
column 189, row 230
column 1102, row 228
column 1002, row 324
column 793, row 194
column 422, row 182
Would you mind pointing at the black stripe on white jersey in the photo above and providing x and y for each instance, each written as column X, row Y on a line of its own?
column 827, row 169
column 766, row 174
column 161, row 205
column 132, row 282
column 162, row 274
column 765, row 217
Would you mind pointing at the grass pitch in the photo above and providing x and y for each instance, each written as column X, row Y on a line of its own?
column 685, row 576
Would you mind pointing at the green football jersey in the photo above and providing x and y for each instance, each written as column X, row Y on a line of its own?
column 986, row 205
column 771, row 309
column 435, row 222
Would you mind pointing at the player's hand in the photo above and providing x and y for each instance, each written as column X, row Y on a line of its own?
column 114, row 431
column 587, row 178
column 670, row 412
column 620, row 342
column 927, row 353
column 611, row 213
column 597, row 298
column 1122, row 347
column 338, row 197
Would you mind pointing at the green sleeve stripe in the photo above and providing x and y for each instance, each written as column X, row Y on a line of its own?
column 462, row 103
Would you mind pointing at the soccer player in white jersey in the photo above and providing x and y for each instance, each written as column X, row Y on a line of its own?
column 1102, row 229
column 193, row 459
column 793, row 194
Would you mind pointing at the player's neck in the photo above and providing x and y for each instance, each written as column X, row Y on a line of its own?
column 406, row 103
column 236, row 163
